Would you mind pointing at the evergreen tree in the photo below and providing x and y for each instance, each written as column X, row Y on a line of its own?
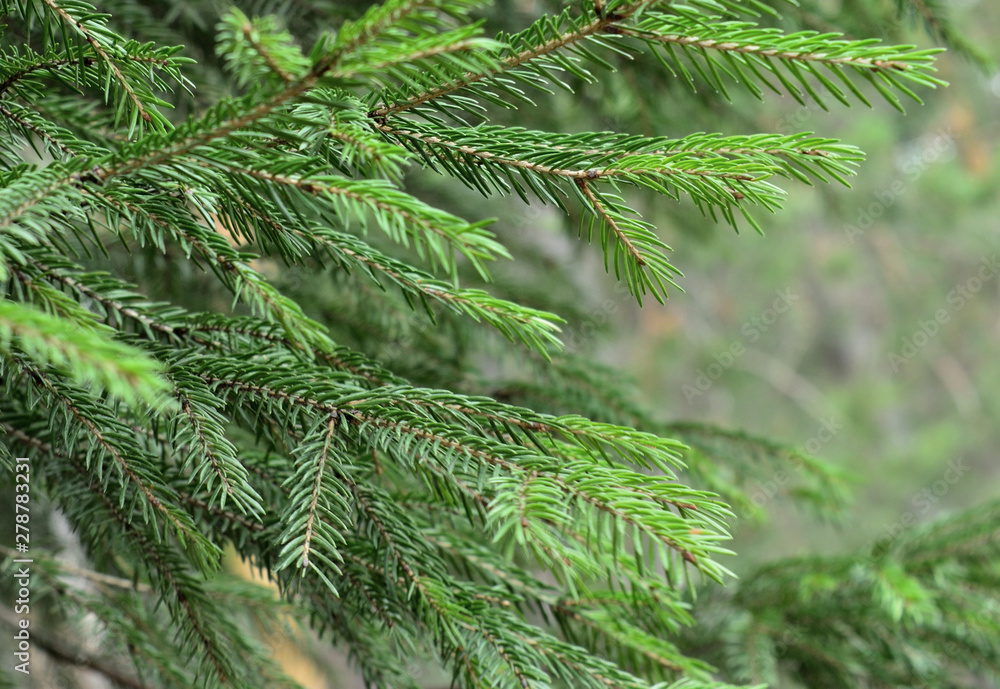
column 239, row 329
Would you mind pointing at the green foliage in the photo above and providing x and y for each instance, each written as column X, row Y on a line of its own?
column 904, row 611
column 245, row 332
column 742, row 52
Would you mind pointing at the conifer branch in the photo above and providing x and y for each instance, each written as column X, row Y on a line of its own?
column 110, row 304
column 828, row 58
column 236, row 274
column 46, row 65
column 125, row 465
column 594, row 27
column 519, row 467
column 210, row 444
column 442, row 229
column 152, row 553
column 416, row 56
column 599, row 208
column 321, row 513
column 377, row 19
column 338, row 357
column 531, row 589
column 88, row 35
column 578, row 175
column 748, row 52
column 250, row 36
column 36, row 130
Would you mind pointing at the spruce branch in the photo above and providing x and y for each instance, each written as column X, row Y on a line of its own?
column 22, row 120
column 198, row 431
column 87, row 30
column 26, row 189
column 107, row 436
column 180, row 588
column 600, row 209
column 384, row 427
column 41, row 63
column 257, row 49
column 203, row 631
column 229, row 266
column 534, row 328
column 23, row 66
column 382, row 18
column 321, row 512
column 436, row 234
column 242, row 331
column 577, row 617
column 107, row 52
column 118, row 302
column 743, row 52
column 85, row 351
column 560, row 34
